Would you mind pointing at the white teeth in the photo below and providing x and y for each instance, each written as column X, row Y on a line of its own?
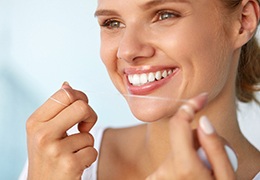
column 141, row 79
column 164, row 74
column 130, row 78
column 151, row 77
column 136, row 80
column 158, row 75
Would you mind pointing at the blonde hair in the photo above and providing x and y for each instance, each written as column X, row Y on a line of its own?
column 248, row 77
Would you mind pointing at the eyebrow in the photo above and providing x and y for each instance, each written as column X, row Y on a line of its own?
column 105, row 12
column 147, row 5
column 153, row 3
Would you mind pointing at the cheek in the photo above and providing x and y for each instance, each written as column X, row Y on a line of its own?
column 202, row 53
column 105, row 52
column 212, row 68
column 108, row 53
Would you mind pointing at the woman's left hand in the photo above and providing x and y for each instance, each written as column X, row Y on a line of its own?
column 183, row 161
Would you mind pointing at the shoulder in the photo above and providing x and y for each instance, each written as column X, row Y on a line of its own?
column 117, row 139
column 118, row 148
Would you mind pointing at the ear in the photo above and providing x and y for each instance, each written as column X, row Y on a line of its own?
column 249, row 19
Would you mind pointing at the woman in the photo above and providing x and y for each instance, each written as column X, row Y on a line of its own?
column 200, row 50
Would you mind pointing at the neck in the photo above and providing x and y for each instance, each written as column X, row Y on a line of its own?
column 221, row 112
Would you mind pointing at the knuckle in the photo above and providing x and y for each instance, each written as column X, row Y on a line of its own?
column 95, row 153
column 82, row 107
column 30, row 126
column 218, row 150
column 160, row 174
column 41, row 139
column 69, row 163
column 186, row 171
column 54, row 150
column 90, row 139
column 216, row 144
column 92, row 152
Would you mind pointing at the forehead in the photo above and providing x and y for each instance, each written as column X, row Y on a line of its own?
column 140, row 2
column 131, row 7
column 146, row 4
column 144, row 1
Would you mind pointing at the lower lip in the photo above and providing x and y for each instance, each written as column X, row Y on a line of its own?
column 149, row 87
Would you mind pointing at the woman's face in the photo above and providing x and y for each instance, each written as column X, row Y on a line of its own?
column 173, row 49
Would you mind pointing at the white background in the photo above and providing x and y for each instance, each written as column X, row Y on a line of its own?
column 42, row 44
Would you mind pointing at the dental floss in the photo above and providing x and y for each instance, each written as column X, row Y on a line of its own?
column 155, row 98
column 66, row 92
column 201, row 153
column 138, row 96
column 57, row 101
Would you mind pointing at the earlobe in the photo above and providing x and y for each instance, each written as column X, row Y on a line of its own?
column 249, row 20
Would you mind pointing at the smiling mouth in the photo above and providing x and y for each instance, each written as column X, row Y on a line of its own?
column 146, row 78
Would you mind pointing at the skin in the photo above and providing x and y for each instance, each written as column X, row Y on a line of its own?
column 52, row 153
column 191, row 37
column 151, row 48
column 207, row 58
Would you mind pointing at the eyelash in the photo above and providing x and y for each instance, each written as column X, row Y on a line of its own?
column 109, row 22
column 168, row 12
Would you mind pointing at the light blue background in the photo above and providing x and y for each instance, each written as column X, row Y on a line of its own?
column 42, row 44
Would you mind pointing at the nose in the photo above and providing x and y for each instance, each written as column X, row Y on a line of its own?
column 134, row 45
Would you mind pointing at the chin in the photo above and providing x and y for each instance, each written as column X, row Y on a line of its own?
column 148, row 110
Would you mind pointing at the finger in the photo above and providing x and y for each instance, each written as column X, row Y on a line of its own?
column 73, row 114
column 179, row 124
column 56, row 103
column 181, row 136
column 86, row 156
column 76, row 142
column 86, row 125
column 194, row 105
column 180, row 129
column 215, row 150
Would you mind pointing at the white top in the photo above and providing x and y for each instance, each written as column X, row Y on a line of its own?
column 257, row 177
column 91, row 172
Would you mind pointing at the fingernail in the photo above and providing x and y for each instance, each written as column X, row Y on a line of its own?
column 187, row 109
column 203, row 94
column 206, row 126
column 66, row 85
column 200, row 100
column 232, row 157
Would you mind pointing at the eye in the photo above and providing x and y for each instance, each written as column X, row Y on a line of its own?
column 163, row 15
column 112, row 24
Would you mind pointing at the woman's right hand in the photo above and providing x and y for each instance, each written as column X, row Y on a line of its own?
column 52, row 153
